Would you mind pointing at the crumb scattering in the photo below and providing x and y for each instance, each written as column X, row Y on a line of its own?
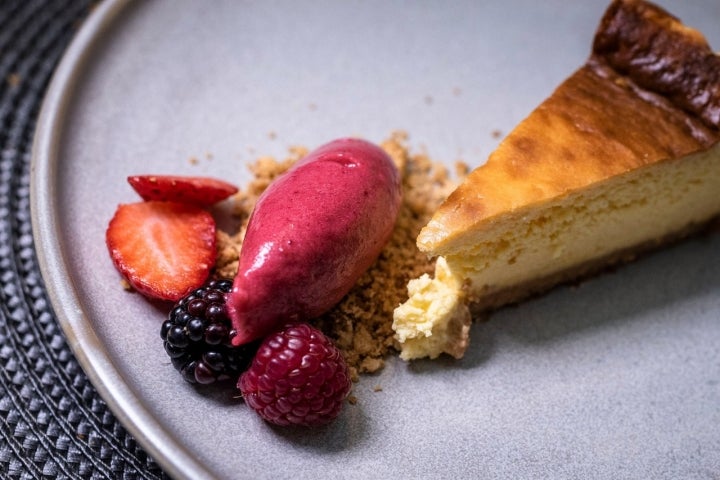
column 361, row 324
column 126, row 285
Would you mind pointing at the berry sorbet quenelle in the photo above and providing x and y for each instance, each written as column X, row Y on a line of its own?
column 312, row 233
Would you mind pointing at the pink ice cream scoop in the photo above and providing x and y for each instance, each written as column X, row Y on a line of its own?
column 312, row 234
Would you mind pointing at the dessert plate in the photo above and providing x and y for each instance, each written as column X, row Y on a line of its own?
column 616, row 377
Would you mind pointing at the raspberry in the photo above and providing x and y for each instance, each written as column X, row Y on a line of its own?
column 197, row 336
column 298, row 377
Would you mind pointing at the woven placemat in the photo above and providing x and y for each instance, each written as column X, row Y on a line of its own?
column 53, row 423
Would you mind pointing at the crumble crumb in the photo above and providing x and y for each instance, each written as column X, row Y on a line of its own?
column 361, row 324
column 461, row 169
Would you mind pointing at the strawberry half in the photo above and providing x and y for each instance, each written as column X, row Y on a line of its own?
column 163, row 249
column 201, row 191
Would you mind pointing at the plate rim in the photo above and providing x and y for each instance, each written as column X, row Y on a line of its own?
column 89, row 351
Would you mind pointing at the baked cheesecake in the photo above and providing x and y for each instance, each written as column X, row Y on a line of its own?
column 623, row 157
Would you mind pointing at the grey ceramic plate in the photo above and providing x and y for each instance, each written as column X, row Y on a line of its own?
column 617, row 378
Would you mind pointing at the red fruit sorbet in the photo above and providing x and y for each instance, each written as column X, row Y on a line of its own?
column 298, row 377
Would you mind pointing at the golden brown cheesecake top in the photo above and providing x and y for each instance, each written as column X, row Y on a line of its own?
column 650, row 92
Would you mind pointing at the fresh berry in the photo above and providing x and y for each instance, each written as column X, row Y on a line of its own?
column 197, row 334
column 163, row 249
column 298, row 377
column 200, row 191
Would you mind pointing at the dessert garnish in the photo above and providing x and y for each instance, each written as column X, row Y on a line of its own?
column 297, row 377
column 200, row 191
column 163, row 249
column 197, row 334
column 312, row 234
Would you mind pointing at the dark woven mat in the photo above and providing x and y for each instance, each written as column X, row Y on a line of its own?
column 53, row 424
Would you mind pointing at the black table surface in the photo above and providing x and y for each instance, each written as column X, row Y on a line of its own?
column 54, row 424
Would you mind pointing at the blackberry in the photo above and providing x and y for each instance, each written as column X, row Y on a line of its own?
column 197, row 337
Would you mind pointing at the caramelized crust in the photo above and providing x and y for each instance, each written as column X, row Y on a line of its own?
column 661, row 54
column 633, row 104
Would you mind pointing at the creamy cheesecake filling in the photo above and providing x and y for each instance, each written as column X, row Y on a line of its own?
column 639, row 206
column 436, row 318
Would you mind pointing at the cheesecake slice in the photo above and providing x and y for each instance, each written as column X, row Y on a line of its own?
column 623, row 157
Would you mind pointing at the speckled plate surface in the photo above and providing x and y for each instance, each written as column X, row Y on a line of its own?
column 616, row 378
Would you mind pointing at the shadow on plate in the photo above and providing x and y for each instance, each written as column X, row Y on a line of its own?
column 345, row 433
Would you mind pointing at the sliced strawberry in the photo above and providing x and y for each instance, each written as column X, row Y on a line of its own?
column 163, row 249
column 201, row 191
